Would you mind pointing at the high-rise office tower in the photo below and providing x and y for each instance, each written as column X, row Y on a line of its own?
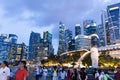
column 13, row 38
column 82, row 42
column 104, row 25
column 61, row 47
column 21, row 52
column 90, row 28
column 12, row 52
column 47, row 39
column 101, row 34
column 77, row 29
column 3, row 37
column 68, row 37
column 35, row 39
column 107, row 30
column 71, row 45
column 113, row 12
column 5, row 45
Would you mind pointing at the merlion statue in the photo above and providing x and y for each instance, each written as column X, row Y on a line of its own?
column 94, row 56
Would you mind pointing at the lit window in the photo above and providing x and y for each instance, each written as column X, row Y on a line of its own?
column 113, row 8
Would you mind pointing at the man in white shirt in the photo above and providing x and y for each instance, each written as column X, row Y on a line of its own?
column 37, row 73
column 63, row 74
column 45, row 72
column 4, row 71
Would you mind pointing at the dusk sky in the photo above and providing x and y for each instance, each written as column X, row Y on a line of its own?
column 20, row 17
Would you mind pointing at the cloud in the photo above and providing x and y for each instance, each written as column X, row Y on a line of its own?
column 21, row 25
column 23, row 29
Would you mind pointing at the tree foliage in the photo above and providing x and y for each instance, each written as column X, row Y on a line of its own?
column 87, row 60
column 106, row 60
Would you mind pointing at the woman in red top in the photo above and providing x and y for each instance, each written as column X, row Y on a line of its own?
column 22, row 73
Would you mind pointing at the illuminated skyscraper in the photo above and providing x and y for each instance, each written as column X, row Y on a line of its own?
column 21, row 52
column 77, row 29
column 62, row 42
column 68, row 37
column 82, row 42
column 101, row 34
column 90, row 28
column 113, row 12
column 35, row 39
column 13, row 38
column 5, row 46
column 71, row 45
column 105, row 33
column 47, row 37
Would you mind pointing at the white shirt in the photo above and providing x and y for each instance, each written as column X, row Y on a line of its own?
column 62, row 74
column 101, row 77
column 4, row 72
column 45, row 72
column 37, row 71
column 97, row 75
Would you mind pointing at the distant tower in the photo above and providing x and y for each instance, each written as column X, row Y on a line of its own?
column 13, row 38
column 101, row 34
column 33, row 41
column 47, row 37
column 77, row 29
column 113, row 12
column 68, row 37
column 90, row 27
column 62, row 41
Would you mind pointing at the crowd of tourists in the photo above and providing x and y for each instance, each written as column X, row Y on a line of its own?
column 54, row 73
column 64, row 73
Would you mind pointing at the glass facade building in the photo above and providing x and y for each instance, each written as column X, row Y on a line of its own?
column 71, row 45
column 62, row 42
column 35, row 38
column 77, row 29
column 21, row 52
column 47, row 37
column 107, row 33
column 68, row 37
column 90, row 27
column 113, row 12
column 39, row 48
column 5, row 45
column 4, row 52
column 101, row 34
column 13, row 38
column 12, row 52
column 82, row 42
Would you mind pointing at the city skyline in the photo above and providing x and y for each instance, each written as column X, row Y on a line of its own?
column 22, row 17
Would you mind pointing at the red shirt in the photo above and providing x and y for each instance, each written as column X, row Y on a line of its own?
column 20, row 74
